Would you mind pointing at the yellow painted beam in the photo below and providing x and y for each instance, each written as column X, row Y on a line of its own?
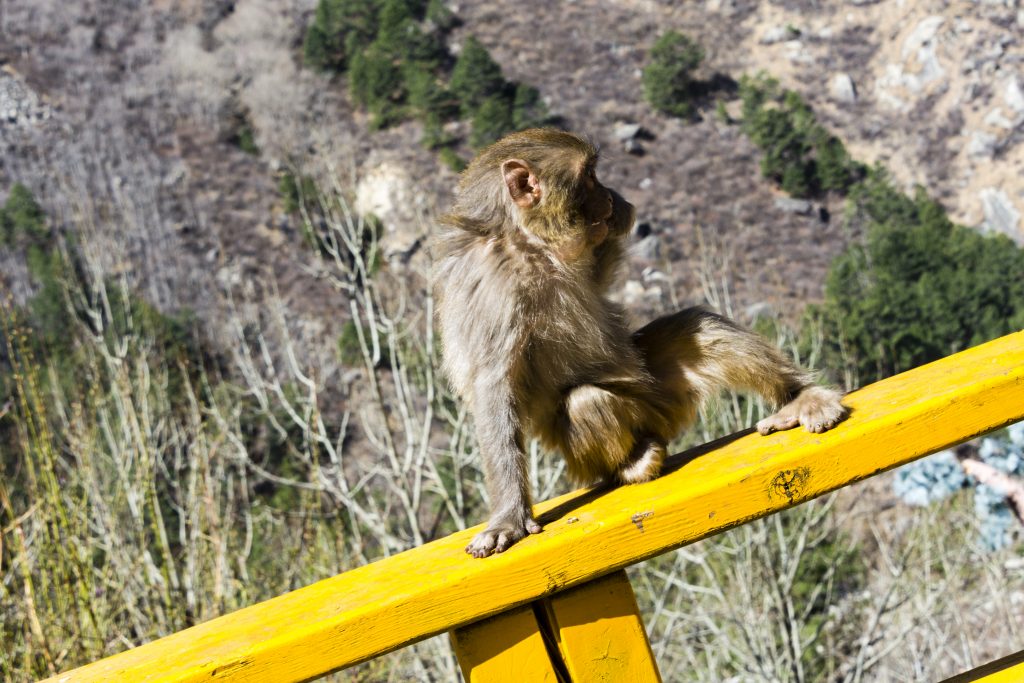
column 508, row 648
column 600, row 632
column 1006, row 670
column 374, row 609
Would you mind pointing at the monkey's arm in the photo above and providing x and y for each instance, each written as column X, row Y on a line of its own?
column 500, row 438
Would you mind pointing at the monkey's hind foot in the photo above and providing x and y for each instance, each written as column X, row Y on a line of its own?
column 646, row 465
column 816, row 408
column 499, row 536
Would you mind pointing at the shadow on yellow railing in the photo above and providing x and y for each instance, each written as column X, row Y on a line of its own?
column 587, row 535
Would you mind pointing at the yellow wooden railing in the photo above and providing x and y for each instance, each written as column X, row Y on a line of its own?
column 557, row 606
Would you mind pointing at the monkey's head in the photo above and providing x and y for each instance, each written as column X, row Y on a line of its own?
column 544, row 182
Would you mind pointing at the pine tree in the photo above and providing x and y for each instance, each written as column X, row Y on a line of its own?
column 476, row 77
column 668, row 77
column 492, row 120
column 340, row 28
column 376, row 83
column 22, row 219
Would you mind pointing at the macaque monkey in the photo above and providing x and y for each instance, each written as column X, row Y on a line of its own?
column 534, row 346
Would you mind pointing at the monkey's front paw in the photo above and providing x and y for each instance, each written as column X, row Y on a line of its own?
column 499, row 537
column 816, row 408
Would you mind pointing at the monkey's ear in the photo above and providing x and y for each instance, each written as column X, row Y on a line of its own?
column 522, row 184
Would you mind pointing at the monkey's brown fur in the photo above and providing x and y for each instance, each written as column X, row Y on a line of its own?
column 535, row 348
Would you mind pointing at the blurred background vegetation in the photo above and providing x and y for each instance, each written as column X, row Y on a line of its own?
column 198, row 417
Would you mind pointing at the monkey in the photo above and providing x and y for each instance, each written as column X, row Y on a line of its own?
column 532, row 343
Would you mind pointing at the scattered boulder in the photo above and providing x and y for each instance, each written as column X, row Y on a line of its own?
column 624, row 132
column 19, row 105
column 920, row 46
column 996, row 119
column 1001, row 215
column 1014, row 95
column 842, row 89
column 630, row 135
column 634, row 147
column 801, row 207
column 981, row 145
column 918, row 70
column 647, row 247
column 779, row 34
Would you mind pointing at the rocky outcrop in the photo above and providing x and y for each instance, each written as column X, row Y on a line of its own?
column 387, row 191
column 19, row 105
column 932, row 90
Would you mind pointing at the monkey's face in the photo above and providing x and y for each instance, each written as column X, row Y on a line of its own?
column 551, row 181
column 574, row 212
column 605, row 213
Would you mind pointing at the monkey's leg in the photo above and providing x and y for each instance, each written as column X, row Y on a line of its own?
column 505, row 472
column 598, row 430
column 694, row 353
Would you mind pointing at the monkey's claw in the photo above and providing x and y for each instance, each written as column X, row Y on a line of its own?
column 816, row 408
column 499, row 537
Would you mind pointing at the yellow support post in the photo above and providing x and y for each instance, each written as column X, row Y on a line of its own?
column 593, row 632
column 600, row 632
column 508, row 648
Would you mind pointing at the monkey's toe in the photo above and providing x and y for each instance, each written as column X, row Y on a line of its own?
column 497, row 538
column 778, row 422
column 482, row 545
column 505, row 540
column 820, row 409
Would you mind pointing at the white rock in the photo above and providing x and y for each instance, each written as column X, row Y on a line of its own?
column 922, row 35
column 798, row 52
column 919, row 65
column 778, row 34
column 801, row 207
column 887, row 85
column 627, row 131
column 842, row 89
column 981, row 145
column 997, row 119
column 647, row 248
column 388, row 192
column 1001, row 215
column 1014, row 95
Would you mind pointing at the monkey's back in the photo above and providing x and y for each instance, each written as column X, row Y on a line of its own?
column 510, row 311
